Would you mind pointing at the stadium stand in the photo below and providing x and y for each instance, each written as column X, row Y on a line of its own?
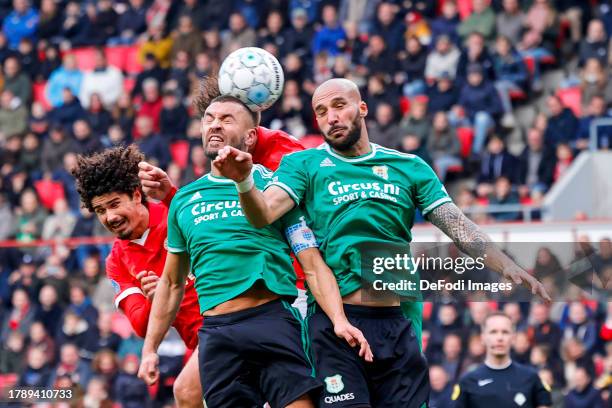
column 54, row 298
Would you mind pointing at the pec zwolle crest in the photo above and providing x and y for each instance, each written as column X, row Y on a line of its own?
column 334, row 384
column 381, row 171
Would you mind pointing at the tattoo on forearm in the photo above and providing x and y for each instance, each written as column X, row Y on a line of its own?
column 466, row 235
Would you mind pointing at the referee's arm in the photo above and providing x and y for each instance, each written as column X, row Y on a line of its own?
column 459, row 396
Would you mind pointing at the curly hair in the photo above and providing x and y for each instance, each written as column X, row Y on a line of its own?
column 111, row 171
column 209, row 92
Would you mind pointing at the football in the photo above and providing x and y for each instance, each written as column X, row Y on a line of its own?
column 252, row 75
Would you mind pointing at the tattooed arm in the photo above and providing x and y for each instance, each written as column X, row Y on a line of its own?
column 470, row 239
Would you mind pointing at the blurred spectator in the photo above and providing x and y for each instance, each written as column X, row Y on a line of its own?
column 451, row 358
column 20, row 317
column 42, row 340
column 503, row 194
column 59, row 225
column 511, row 76
column 442, row 95
column 50, row 22
column 131, row 391
column 595, row 44
column 510, row 21
column 481, row 103
column 536, row 164
column 50, row 63
column 150, row 69
column 39, row 120
column 151, row 143
column 97, row 394
column 66, row 76
column 594, row 81
column 596, row 110
column 294, row 110
column 520, row 348
column 443, row 60
column 131, row 23
column 178, row 76
column 272, row 32
column 103, row 22
column 441, row 388
column 378, row 59
column 475, row 354
column 71, row 365
column 97, row 116
column 329, row 38
column 443, row 145
column 387, row 25
column 564, row 160
column 13, row 116
column 357, row 13
column 411, row 144
column 107, row 339
column 581, row 327
column 85, row 142
column 547, row 265
column 30, row 217
column 12, row 353
column 299, row 35
column 17, row 81
column 105, row 366
column 37, row 373
column 447, row 322
column 173, row 117
column 21, row 23
column 63, row 175
column 495, row 162
column 562, row 123
column 475, row 52
column 74, row 329
column 239, row 35
column 481, row 20
column 25, row 278
column 583, row 394
column 50, row 310
column 150, row 105
column 155, row 42
column 447, row 23
column 28, row 58
column 416, row 122
column 384, row 130
column 6, row 213
column 123, row 114
column 80, row 303
column 69, row 111
column 412, row 63
column 74, row 26
column 105, row 80
column 198, row 165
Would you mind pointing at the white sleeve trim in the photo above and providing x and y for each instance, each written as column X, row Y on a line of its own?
column 288, row 189
column 175, row 250
column 129, row 291
column 435, row 204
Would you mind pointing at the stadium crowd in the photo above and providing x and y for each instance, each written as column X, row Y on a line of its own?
column 442, row 79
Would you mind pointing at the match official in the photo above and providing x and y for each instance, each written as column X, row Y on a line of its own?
column 500, row 382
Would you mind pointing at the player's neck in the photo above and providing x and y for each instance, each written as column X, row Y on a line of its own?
column 143, row 224
column 498, row 363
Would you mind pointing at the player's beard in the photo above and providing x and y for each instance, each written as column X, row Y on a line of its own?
column 211, row 154
column 353, row 135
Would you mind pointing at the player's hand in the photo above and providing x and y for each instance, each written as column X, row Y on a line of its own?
column 233, row 163
column 148, row 282
column 149, row 368
column 155, row 182
column 519, row 276
column 354, row 337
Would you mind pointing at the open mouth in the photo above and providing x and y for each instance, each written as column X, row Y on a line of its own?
column 117, row 225
column 215, row 139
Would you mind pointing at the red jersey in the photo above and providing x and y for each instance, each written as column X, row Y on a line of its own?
column 128, row 258
column 271, row 146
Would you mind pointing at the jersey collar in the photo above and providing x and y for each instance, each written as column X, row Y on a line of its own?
column 503, row 367
column 216, row 179
column 352, row 159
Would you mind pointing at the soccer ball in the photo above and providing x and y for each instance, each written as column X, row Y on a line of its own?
column 252, row 75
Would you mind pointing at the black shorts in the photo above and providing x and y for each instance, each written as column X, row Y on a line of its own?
column 256, row 355
column 398, row 377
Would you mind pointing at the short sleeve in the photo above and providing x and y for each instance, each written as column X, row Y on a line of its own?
column 123, row 283
column 428, row 189
column 291, row 176
column 542, row 395
column 297, row 232
column 176, row 240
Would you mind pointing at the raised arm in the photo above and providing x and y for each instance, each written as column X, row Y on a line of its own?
column 470, row 239
column 260, row 208
column 166, row 303
column 323, row 285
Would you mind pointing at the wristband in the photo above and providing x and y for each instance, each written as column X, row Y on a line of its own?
column 246, row 184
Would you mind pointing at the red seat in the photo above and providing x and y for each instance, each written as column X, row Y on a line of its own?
column 518, row 95
column 310, row 141
column 572, row 98
column 8, row 380
column 84, row 58
column 121, row 325
column 465, row 8
column 466, row 138
column 180, row 153
column 116, row 56
column 49, row 192
column 132, row 63
column 455, row 169
column 404, row 104
column 128, row 84
column 39, row 95
column 530, row 62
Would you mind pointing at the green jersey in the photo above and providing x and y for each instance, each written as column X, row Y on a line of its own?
column 227, row 254
column 353, row 202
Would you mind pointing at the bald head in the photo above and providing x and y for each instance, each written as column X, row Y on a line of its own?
column 340, row 113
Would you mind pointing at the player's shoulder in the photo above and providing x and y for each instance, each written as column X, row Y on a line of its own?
column 306, row 155
column 272, row 136
column 186, row 192
column 473, row 376
column 525, row 371
column 393, row 154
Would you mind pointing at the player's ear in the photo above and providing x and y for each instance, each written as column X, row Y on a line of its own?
column 137, row 196
column 363, row 109
column 251, row 139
